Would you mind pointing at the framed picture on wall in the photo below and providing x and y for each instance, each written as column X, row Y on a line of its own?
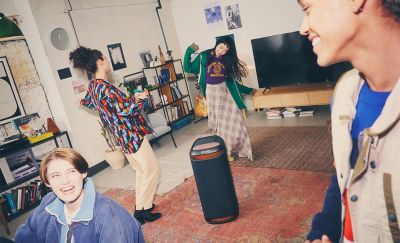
column 233, row 19
column 10, row 102
column 146, row 58
column 116, row 56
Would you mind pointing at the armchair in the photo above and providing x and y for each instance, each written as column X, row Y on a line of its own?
column 160, row 126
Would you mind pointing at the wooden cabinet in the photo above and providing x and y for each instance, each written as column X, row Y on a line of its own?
column 296, row 95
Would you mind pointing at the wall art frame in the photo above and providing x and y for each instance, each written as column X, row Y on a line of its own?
column 10, row 102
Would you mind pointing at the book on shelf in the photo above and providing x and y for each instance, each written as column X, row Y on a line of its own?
column 306, row 114
column 274, row 113
column 177, row 91
column 12, row 208
column 171, row 113
column 164, row 76
column 307, row 110
column 25, row 196
column 32, row 127
column 29, row 125
column 273, row 117
column 291, row 109
column 173, row 93
column 148, row 104
column 185, row 107
column 290, row 112
column 19, row 198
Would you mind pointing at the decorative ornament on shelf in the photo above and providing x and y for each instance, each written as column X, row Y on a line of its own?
column 170, row 65
column 155, row 62
column 52, row 126
column 162, row 58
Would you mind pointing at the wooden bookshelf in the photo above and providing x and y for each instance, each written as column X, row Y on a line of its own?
column 294, row 95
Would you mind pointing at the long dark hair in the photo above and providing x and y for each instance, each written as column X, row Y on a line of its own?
column 234, row 67
column 86, row 58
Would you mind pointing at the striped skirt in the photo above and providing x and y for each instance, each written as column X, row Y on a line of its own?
column 226, row 120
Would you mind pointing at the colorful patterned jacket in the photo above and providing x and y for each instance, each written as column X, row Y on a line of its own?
column 120, row 113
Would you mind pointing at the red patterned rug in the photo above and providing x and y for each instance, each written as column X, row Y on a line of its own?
column 275, row 206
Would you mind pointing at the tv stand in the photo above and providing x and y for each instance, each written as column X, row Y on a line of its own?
column 294, row 95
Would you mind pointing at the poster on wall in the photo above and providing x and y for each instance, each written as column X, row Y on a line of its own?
column 146, row 58
column 116, row 56
column 79, row 86
column 213, row 14
column 233, row 19
column 10, row 102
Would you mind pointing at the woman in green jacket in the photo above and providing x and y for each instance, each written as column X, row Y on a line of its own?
column 220, row 71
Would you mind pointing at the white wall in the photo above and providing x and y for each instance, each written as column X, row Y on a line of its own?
column 133, row 24
column 260, row 18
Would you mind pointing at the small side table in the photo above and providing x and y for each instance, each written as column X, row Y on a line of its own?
column 2, row 217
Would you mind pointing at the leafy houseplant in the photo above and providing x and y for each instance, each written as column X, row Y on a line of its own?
column 114, row 156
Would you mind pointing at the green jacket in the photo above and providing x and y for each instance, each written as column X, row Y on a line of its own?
column 199, row 66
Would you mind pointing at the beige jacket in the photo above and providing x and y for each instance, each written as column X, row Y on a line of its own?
column 374, row 190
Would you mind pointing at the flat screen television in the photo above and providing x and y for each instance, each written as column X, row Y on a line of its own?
column 288, row 59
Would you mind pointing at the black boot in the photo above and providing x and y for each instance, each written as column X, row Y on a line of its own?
column 152, row 207
column 146, row 215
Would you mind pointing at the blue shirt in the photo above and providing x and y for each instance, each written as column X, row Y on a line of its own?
column 368, row 108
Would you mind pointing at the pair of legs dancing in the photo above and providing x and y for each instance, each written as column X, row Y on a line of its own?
column 226, row 120
column 145, row 163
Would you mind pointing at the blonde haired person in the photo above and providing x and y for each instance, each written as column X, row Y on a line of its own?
column 74, row 211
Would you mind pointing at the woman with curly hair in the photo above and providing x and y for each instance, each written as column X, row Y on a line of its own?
column 121, row 114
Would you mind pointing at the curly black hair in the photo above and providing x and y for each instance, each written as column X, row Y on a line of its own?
column 393, row 7
column 85, row 58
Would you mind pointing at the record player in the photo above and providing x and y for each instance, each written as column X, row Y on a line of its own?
column 12, row 143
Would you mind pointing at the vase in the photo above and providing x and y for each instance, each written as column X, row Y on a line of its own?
column 116, row 159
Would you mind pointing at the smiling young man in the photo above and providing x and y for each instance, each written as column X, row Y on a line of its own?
column 362, row 203
column 74, row 212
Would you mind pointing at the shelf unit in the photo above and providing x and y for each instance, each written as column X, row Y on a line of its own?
column 294, row 95
column 167, row 80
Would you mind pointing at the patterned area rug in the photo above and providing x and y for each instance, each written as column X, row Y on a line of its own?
column 295, row 148
column 275, row 206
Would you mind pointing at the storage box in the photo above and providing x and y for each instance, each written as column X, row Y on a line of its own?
column 35, row 139
column 181, row 123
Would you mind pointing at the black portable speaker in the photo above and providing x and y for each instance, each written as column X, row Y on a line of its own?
column 214, row 180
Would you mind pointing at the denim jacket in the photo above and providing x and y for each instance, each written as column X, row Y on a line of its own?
column 100, row 219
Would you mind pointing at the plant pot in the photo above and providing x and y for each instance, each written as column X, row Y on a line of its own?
column 116, row 159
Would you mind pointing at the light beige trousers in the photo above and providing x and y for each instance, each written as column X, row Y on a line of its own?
column 145, row 163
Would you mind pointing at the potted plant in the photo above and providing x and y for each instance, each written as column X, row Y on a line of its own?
column 114, row 155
